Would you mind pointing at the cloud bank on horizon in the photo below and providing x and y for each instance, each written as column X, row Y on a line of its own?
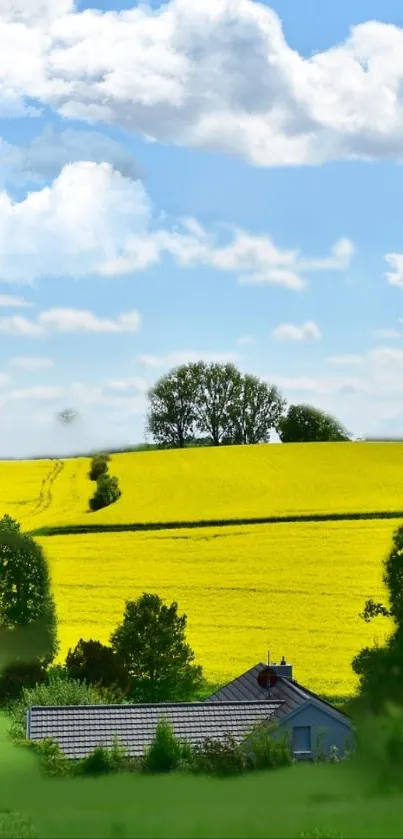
column 112, row 281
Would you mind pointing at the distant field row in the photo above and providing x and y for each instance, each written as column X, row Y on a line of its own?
column 294, row 589
column 210, row 484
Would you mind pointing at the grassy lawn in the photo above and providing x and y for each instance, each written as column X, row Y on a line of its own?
column 310, row 801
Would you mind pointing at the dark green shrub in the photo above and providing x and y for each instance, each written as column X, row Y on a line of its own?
column 262, row 751
column 379, row 752
column 52, row 759
column 106, row 493
column 97, row 763
column 218, row 757
column 165, row 751
column 99, row 466
column 104, row 760
column 15, row 677
column 97, row 664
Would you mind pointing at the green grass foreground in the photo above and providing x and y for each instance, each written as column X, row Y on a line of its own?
column 311, row 801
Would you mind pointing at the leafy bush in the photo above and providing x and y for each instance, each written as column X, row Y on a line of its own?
column 102, row 761
column 379, row 751
column 99, row 466
column 218, row 757
column 97, row 664
column 57, row 690
column 262, row 751
column 106, row 493
column 165, row 751
column 51, row 758
column 15, row 677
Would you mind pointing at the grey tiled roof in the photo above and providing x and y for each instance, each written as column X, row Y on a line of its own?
column 286, row 691
column 78, row 729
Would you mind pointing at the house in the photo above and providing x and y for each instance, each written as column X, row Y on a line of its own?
column 264, row 694
column 311, row 722
column 78, row 729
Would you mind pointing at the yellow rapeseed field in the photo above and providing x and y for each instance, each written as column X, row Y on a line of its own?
column 296, row 589
column 212, row 483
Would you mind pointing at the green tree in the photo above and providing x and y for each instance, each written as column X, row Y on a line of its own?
column 99, row 466
column 257, row 409
column 305, row 424
column 151, row 643
column 28, row 625
column 212, row 404
column 171, row 415
column 217, row 398
column 380, row 668
column 106, row 493
column 96, row 664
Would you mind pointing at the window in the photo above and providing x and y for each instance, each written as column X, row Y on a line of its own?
column 301, row 738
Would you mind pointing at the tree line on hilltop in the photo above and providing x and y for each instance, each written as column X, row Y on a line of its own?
column 215, row 404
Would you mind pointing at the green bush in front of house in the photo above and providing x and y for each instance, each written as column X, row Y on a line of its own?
column 262, row 751
column 165, row 752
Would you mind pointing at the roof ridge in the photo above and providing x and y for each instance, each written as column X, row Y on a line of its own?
column 201, row 704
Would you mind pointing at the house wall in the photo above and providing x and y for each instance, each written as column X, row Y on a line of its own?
column 325, row 731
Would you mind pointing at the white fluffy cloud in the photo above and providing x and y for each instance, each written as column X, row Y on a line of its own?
column 211, row 73
column 345, row 360
column 290, row 332
column 387, row 334
column 43, row 158
column 31, row 362
column 395, row 276
column 69, row 320
column 92, row 220
column 82, row 320
column 7, row 301
column 186, row 356
column 19, row 325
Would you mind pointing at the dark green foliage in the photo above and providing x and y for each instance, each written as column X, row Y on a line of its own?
column 106, row 493
column 212, row 404
column 99, row 466
column 151, row 642
column 218, row 757
column 171, row 417
column 17, row 676
column 305, row 424
column 51, row 758
column 96, row 664
column 379, row 751
column 28, row 626
column 380, row 668
column 165, row 752
column 256, row 410
column 97, row 763
column 216, row 401
column 262, row 751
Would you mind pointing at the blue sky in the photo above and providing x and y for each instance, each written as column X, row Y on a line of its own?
column 213, row 179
